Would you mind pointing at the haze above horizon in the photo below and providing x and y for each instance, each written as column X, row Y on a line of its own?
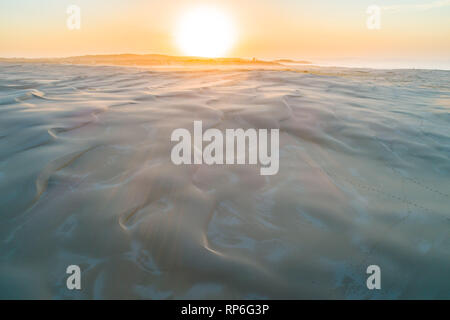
column 412, row 33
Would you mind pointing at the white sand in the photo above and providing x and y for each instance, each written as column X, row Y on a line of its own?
column 86, row 179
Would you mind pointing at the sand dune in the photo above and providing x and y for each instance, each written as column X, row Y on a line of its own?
column 86, row 178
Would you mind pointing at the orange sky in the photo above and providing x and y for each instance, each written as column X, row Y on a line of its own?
column 265, row 28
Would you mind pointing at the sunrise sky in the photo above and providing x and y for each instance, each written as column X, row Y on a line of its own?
column 411, row 30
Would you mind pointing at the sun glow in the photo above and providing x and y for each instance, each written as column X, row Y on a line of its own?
column 205, row 32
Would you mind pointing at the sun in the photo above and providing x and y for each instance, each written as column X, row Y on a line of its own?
column 205, row 32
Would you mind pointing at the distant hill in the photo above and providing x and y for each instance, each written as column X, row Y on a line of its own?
column 292, row 61
column 145, row 60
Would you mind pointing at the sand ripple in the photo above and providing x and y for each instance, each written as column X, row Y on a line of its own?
column 86, row 179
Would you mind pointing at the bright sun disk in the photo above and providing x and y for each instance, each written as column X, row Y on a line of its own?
column 205, row 32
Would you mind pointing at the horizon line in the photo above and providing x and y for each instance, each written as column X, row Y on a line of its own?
column 330, row 62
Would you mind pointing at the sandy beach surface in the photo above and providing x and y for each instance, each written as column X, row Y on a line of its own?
column 86, row 179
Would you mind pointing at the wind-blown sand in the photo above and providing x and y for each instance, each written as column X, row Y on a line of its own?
column 86, row 179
